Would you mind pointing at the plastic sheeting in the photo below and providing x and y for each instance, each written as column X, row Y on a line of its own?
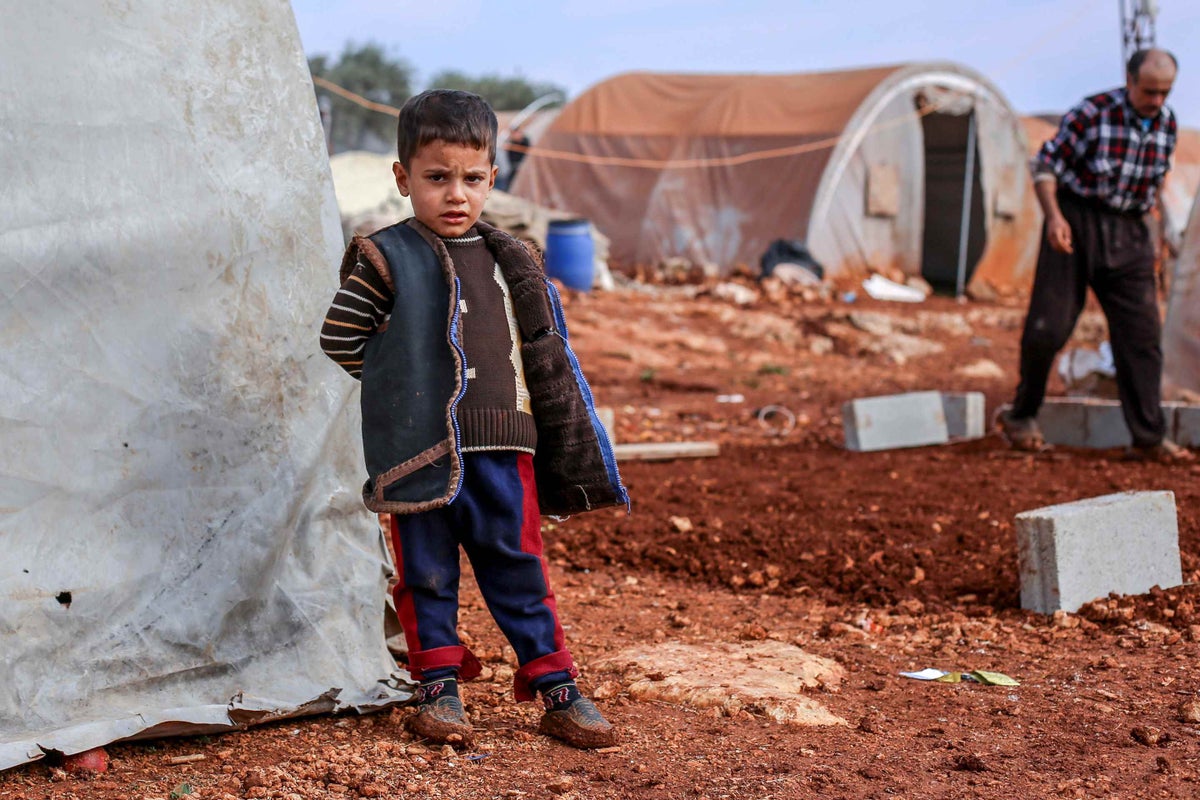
column 184, row 545
column 1180, row 187
column 717, row 201
column 1181, row 331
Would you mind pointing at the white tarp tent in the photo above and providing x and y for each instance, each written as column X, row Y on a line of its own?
column 184, row 545
column 1181, row 330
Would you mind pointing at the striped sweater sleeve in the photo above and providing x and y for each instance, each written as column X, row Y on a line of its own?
column 360, row 308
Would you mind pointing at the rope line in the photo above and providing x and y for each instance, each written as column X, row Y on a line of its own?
column 382, row 108
column 721, row 161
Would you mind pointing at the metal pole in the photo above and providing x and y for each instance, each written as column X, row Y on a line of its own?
column 1124, row 36
column 1138, row 19
column 965, row 224
column 526, row 112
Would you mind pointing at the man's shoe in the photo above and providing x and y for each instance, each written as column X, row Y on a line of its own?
column 442, row 720
column 580, row 725
column 1165, row 452
column 1021, row 434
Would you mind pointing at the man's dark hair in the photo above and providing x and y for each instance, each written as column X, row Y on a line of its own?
column 449, row 115
column 1139, row 57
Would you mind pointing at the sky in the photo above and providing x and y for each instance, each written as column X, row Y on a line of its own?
column 1044, row 55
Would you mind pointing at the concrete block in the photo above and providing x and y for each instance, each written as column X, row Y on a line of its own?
column 1072, row 553
column 892, row 421
column 1187, row 425
column 1083, row 422
column 1091, row 422
column 964, row 413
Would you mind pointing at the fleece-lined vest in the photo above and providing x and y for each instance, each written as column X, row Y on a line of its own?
column 414, row 375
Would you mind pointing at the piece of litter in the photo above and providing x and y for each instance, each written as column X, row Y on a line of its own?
column 94, row 760
column 977, row 676
column 478, row 756
column 188, row 759
column 993, row 678
column 776, row 420
column 881, row 288
column 731, row 398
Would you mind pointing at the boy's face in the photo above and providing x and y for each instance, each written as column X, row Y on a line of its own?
column 448, row 184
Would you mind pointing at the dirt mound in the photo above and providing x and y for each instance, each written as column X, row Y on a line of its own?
column 881, row 562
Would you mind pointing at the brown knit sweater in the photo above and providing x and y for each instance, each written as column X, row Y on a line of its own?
column 495, row 411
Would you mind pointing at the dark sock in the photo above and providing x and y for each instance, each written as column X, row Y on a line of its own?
column 550, row 679
column 560, row 695
column 430, row 689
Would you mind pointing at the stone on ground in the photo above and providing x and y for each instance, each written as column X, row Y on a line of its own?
column 767, row 677
column 1073, row 553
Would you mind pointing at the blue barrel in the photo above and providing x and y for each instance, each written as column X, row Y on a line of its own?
column 570, row 253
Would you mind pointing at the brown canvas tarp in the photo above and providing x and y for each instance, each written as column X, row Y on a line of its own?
column 712, row 168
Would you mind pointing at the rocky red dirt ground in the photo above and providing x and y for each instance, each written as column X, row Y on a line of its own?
column 884, row 562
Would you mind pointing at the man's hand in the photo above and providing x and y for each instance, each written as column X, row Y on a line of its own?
column 1058, row 234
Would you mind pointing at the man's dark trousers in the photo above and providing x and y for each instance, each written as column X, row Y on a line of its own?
column 1113, row 254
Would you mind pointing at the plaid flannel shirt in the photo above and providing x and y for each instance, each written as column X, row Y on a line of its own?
column 1104, row 151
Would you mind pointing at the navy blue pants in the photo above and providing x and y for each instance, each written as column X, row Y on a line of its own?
column 496, row 521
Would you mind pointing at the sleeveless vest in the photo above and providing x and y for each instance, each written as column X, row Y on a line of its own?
column 414, row 375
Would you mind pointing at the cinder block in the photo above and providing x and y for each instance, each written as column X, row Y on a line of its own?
column 964, row 413
column 1090, row 422
column 1072, row 553
column 893, row 421
column 1083, row 422
column 1187, row 425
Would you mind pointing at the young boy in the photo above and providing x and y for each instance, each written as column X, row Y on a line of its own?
column 476, row 419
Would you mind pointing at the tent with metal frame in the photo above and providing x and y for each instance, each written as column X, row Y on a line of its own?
column 917, row 167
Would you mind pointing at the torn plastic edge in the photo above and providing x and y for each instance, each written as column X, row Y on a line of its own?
column 239, row 713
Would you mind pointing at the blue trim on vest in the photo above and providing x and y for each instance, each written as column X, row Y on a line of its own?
column 606, row 449
column 456, row 343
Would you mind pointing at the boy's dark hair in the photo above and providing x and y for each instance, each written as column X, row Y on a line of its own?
column 449, row 115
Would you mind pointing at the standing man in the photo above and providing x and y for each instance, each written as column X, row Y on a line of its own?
column 1095, row 181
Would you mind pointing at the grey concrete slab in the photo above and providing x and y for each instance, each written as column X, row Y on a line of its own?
column 893, row 421
column 964, row 413
column 1096, row 423
column 1083, row 422
column 1187, row 425
column 1072, row 553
